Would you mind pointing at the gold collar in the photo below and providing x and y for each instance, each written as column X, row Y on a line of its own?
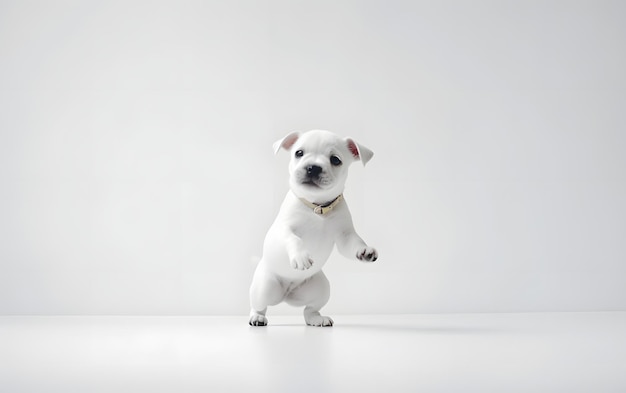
column 323, row 209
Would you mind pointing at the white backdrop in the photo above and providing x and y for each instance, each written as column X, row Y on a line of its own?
column 136, row 174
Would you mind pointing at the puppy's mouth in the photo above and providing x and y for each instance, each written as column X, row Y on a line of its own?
column 314, row 182
column 310, row 183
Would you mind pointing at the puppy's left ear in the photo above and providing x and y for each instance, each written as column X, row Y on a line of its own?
column 359, row 152
column 286, row 142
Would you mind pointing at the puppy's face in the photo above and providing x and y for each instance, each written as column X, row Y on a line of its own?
column 319, row 163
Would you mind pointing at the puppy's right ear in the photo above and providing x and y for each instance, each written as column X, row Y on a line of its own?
column 286, row 142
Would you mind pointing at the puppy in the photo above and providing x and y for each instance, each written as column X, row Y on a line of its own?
column 313, row 218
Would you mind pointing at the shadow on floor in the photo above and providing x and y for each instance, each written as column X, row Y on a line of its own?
column 397, row 328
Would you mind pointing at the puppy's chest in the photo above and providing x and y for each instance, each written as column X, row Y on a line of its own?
column 318, row 234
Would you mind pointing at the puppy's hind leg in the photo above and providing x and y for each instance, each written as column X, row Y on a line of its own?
column 313, row 294
column 265, row 291
column 257, row 318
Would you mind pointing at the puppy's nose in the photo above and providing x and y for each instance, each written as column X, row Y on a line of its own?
column 313, row 170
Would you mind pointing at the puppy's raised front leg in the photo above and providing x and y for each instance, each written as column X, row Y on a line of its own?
column 299, row 258
column 350, row 245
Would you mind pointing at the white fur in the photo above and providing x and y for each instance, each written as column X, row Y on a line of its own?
column 300, row 241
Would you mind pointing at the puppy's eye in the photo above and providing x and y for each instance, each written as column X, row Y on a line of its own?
column 336, row 161
column 299, row 153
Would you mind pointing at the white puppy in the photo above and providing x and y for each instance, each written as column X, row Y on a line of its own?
column 312, row 219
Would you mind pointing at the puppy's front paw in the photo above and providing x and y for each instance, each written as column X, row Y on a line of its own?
column 301, row 261
column 367, row 254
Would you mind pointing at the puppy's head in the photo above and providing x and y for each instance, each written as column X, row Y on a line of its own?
column 319, row 163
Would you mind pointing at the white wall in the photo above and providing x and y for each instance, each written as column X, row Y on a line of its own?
column 136, row 174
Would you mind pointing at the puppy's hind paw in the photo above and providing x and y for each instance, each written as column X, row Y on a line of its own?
column 258, row 320
column 319, row 320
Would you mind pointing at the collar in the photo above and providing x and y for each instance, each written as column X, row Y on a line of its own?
column 323, row 209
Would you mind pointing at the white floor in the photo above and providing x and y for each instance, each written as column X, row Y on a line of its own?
column 542, row 352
